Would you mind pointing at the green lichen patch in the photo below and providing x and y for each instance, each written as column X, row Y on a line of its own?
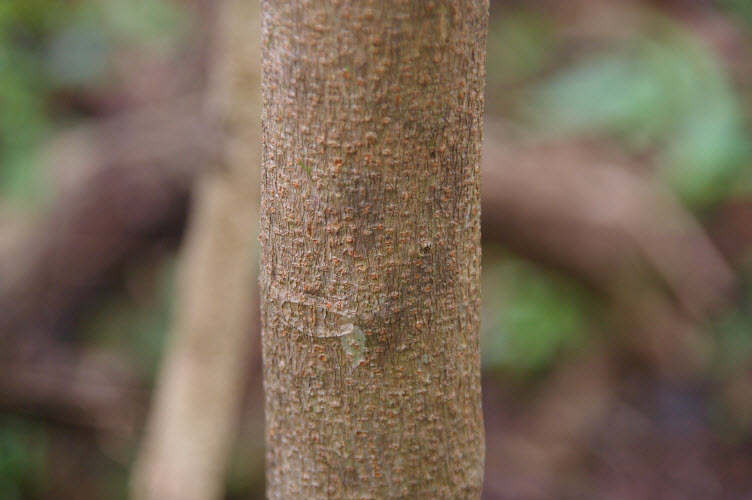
column 306, row 168
column 353, row 343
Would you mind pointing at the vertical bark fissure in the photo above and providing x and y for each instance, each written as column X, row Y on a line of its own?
column 370, row 247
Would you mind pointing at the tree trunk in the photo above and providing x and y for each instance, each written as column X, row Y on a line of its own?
column 370, row 247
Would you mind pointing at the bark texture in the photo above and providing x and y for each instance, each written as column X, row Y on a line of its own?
column 370, row 247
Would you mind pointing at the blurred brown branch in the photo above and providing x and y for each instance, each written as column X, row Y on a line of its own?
column 123, row 187
column 122, row 190
column 577, row 207
column 588, row 212
column 69, row 389
column 203, row 374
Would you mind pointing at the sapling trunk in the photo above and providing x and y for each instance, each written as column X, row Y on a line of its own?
column 370, row 247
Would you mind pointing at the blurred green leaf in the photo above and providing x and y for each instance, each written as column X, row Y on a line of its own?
column 609, row 94
column 707, row 151
column 741, row 9
column 34, row 17
column 156, row 23
column 22, row 122
column 531, row 316
column 733, row 329
column 135, row 326
column 46, row 46
column 23, row 458
column 77, row 55
column 519, row 45
column 658, row 93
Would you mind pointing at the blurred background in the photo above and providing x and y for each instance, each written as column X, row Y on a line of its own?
column 617, row 233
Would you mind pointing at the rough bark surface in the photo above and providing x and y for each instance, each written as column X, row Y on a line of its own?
column 370, row 247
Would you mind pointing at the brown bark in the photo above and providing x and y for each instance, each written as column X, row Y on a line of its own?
column 199, row 390
column 370, row 248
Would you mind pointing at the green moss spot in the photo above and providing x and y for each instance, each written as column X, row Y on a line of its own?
column 353, row 343
column 306, row 168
